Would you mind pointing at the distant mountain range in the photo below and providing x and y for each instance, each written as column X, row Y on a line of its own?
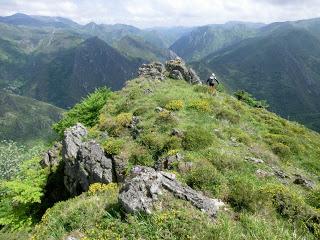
column 207, row 39
column 58, row 61
column 280, row 64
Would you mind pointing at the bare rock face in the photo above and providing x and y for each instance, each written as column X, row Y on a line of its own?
column 142, row 191
column 194, row 78
column 177, row 68
column 120, row 165
column 85, row 162
column 176, row 74
column 72, row 141
column 153, row 70
column 51, row 157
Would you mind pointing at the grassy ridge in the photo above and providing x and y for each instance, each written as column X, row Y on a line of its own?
column 219, row 134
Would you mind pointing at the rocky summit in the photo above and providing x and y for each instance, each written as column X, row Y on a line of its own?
column 175, row 69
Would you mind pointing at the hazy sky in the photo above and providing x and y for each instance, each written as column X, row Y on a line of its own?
column 146, row 13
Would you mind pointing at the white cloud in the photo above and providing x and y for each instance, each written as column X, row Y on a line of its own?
column 146, row 13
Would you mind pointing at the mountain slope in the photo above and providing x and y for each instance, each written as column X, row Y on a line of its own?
column 137, row 47
column 74, row 73
column 24, row 119
column 248, row 157
column 207, row 39
column 281, row 67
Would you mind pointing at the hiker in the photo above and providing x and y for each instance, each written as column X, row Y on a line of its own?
column 213, row 82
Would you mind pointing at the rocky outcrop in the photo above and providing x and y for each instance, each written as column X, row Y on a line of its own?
column 153, row 70
column 85, row 162
column 72, row 141
column 300, row 180
column 168, row 162
column 142, row 191
column 51, row 158
column 176, row 74
column 177, row 133
column 175, row 69
column 120, row 164
column 254, row 160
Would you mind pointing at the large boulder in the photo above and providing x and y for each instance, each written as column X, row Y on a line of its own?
column 85, row 162
column 141, row 192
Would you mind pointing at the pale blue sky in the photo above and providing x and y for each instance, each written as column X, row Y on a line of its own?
column 147, row 13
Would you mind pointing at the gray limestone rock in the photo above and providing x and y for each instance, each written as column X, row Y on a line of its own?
column 72, row 141
column 142, row 191
column 177, row 68
column 176, row 74
column 153, row 70
column 120, row 166
column 85, row 162
column 51, row 157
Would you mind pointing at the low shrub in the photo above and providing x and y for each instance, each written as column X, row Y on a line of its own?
column 76, row 214
column 86, row 112
column 113, row 146
column 201, row 89
column 115, row 125
column 155, row 142
column 196, row 138
column 205, row 177
column 101, row 187
column 123, row 119
column 229, row 115
column 244, row 194
column 166, row 117
column 141, row 156
column 174, row 105
column 291, row 205
column 313, row 198
column 286, row 202
column 281, row 149
column 250, row 100
column 172, row 143
column 201, row 105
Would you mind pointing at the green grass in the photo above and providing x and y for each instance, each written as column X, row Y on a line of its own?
column 219, row 133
